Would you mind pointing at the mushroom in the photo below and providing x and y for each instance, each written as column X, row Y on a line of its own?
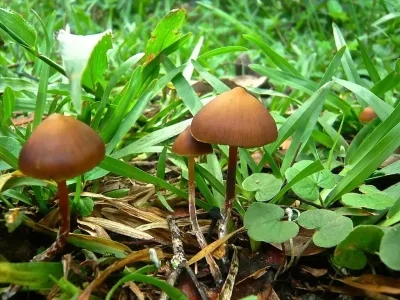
column 60, row 148
column 367, row 114
column 186, row 145
column 237, row 119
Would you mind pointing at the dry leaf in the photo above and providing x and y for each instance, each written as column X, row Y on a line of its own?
column 95, row 230
column 313, row 271
column 374, row 283
column 249, row 81
column 213, row 246
column 119, row 228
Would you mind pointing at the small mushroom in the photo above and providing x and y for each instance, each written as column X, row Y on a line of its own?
column 186, row 145
column 367, row 114
column 60, row 148
column 237, row 119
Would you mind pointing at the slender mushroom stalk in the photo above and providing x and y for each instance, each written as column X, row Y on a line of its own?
column 237, row 119
column 60, row 148
column 186, row 145
column 230, row 191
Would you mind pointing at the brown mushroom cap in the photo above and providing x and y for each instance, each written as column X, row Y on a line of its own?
column 186, row 145
column 234, row 118
column 367, row 114
column 61, row 148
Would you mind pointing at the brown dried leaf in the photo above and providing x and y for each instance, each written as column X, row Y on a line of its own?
column 22, row 120
column 213, row 246
column 374, row 283
column 135, row 289
column 313, row 271
column 286, row 144
column 95, row 230
column 250, row 81
column 355, row 292
column 154, row 225
column 50, row 220
column 119, row 228
column 135, row 212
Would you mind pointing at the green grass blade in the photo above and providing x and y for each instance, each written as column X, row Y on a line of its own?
column 299, row 119
column 124, row 169
column 217, row 84
column 333, row 65
column 125, row 66
column 381, row 143
column 278, row 60
column 302, row 84
column 347, row 62
column 220, row 51
column 369, row 142
column 185, row 91
column 114, row 117
column 239, row 25
column 8, row 157
column 214, row 182
column 131, row 118
column 369, row 65
column 152, row 139
column 382, row 109
column 214, row 167
column 34, row 275
column 205, row 191
column 44, row 73
column 386, row 84
column 18, row 28
column 171, row 291
column 188, row 71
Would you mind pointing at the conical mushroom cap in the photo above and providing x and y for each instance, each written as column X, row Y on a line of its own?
column 61, row 148
column 234, row 118
column 186, row 145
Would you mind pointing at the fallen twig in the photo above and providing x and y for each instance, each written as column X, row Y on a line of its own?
column 179, row 261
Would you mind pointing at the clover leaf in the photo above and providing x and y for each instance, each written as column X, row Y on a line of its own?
column 371, row 198
column 263, row 222
column 332, row 227
column 350, row 253
column 308, row 187
column 390, row 248
column 266, row 186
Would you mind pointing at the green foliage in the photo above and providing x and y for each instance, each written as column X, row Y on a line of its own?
column 171, row 291
column 332, row 228
column 34, row 275
column 18, row 28
column 85, row 206
column 266, row 186
column 370, row 198
column 263, row 222
column 390, row 248
column 364, row 239
column 308, row 188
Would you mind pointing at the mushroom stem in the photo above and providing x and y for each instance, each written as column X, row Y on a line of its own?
column 214, row 269
column 230, row 192
column 64, row 226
